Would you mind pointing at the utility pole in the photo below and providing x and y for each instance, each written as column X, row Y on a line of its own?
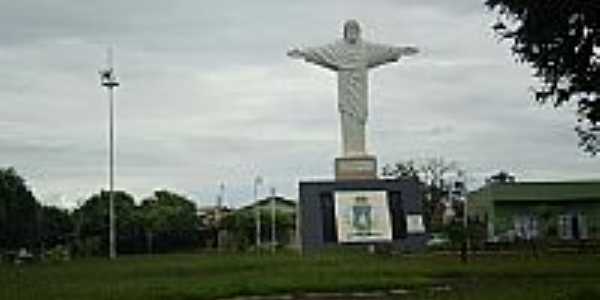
column 464, row 198
column 459, row 189
column 108, row 80
column 221, row 197
column 257, row 181
column 273, row 221
column 218, row 216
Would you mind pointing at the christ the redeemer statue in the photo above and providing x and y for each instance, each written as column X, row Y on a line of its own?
column 352, row 58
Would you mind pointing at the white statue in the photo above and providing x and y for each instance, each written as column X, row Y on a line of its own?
column 351, row 58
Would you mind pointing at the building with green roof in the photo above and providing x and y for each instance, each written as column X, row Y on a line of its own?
column 561, row 211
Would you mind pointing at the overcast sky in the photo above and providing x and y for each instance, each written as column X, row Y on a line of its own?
column 209, row 96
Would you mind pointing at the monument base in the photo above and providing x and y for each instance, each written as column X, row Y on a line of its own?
column 356, row 168
column 323, row 207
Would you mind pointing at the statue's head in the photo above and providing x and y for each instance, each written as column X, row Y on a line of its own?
column 351, row 31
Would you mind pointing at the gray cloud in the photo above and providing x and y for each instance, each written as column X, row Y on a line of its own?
column 209, row 96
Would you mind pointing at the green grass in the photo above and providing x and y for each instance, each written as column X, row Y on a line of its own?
column 212, row 276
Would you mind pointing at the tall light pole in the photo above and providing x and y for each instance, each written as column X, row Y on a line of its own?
column 257, row 181
column 108, row 79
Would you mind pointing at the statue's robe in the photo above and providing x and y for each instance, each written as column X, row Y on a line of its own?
column 352, row 62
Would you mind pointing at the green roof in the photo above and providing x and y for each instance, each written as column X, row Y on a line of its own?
column 538, row 191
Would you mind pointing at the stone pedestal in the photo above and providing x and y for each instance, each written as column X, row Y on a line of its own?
column 318, row 224
column 356, row 168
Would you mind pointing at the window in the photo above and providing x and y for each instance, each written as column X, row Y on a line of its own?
column 526, row 227
column 572, row 226
column 565, row 227
column 582, row 226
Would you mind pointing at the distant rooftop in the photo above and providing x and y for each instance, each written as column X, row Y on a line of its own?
column 539, row 191
column 280, row 201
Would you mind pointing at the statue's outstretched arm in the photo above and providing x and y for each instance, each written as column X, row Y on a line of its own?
column 295, row 53
column 382, row 54
column 324, row 56
column 407, row 51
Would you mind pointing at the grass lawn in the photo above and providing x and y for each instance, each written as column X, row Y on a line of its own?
column 212, row 276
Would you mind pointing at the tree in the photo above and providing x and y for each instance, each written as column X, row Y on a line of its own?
column 153, row 219
column 18, row 212
column 94, row 223
column 432, row 173
column 169, row 221
column 501, row 177
column 435, row 170
column 56, row 226
column 560, row 39
column 402, row 169
column 240, row 226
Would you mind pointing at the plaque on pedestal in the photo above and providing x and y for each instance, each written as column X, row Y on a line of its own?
column 356, row 168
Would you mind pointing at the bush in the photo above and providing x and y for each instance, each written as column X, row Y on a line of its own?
column 58, row 253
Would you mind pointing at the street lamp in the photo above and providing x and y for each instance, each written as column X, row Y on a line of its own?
column 108, row 80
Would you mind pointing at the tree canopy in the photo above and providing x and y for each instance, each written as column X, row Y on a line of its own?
column 165, row 217
column 169, row 221
column 501, row 177
column 434, row 174
column 93, row 222
column 19, row 211
column 431, row 171
column 560, row 39
column 56, row 226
